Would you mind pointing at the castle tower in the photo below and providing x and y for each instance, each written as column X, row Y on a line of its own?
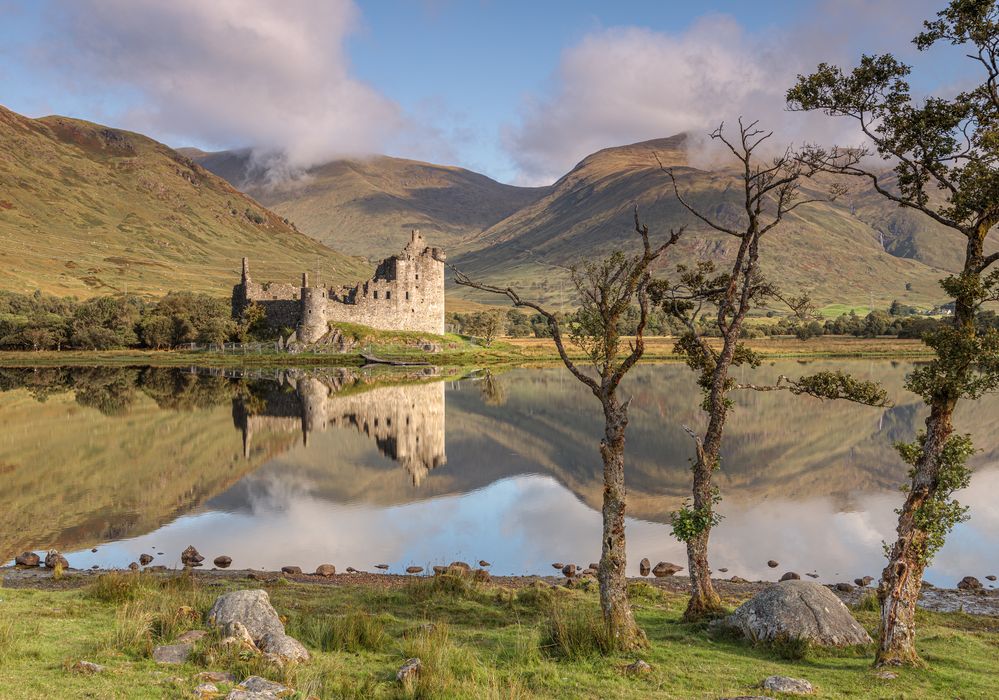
column 313, row 321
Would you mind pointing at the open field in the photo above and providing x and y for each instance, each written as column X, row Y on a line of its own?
column 481, row 640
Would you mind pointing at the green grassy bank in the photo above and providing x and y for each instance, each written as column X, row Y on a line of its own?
column 476, row 640
column 455, row 351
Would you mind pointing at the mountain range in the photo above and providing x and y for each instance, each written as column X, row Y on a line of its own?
column 87, row 209
column 859, row 249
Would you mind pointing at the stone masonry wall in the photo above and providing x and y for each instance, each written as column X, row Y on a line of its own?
column 405, row 294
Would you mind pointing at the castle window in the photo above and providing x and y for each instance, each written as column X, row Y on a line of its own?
column 388, row 295
column 417, row 276
column 407, row 296
column 375, row 294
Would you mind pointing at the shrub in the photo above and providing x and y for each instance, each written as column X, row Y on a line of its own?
column 117, row 587
column 455, row 583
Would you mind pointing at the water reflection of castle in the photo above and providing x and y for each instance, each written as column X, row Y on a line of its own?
column 406, row 421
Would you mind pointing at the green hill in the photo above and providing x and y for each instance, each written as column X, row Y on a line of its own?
column 831, row 250
column 367, row 207
column 86, row 209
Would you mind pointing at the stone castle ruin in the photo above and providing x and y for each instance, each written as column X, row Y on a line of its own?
column 406, row 421
column 405, row 294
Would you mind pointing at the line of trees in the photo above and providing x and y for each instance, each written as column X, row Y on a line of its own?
column 43, row 322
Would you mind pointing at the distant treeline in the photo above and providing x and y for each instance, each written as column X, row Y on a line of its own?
column 42, row 322
column 898, row 320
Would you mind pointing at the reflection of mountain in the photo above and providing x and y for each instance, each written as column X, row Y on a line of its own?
column 89, row 456
column 405, row 421
column 777, row 446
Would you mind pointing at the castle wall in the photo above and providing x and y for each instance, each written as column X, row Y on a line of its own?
column 405, row 294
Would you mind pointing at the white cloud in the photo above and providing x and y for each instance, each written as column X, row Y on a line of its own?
column 627, row 84
column 270, row 74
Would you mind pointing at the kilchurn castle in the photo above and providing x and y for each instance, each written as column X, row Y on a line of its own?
column 405, row 294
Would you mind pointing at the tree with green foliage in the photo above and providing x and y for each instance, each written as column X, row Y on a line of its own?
column 945, row 153
column 606, row 290
column 104, row 323
column 767, row 192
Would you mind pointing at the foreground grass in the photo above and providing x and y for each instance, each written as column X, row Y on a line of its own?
column 456, row 352
column 475, row 640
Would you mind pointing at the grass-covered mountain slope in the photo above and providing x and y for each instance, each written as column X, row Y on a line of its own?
column 86, row 209
column 368, row 206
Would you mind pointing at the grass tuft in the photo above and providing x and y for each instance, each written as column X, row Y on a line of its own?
column 575, row 632
column 868, row 603
column 131, row 634
column 8, row 639
column 455, row 584
column 353, row 632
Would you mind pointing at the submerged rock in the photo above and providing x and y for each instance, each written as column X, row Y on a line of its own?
column 969, row 583
column 53, row 558
column 569, row 570
column 414, row 569
column 145, row 559
column 291, row 569
column 797, row 610
column 665, row 568
column 27, row 559
column 483, row 562
column 864, row 582
column 190, row 557
column 773, row 563
column 790, row 576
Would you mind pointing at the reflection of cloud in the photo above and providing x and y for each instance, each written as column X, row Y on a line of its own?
column 524, row 524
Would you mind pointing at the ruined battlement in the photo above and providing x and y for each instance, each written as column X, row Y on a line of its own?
column 406, row 293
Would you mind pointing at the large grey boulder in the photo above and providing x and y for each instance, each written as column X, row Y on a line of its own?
column 797, row 609
column 252, row 609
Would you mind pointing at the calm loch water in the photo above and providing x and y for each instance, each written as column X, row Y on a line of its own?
column 355, row 469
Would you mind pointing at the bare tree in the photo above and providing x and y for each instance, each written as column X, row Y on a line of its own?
column 769, row 191
column 946, row 166
column 606, row 289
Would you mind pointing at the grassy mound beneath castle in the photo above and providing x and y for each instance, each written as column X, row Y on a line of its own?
column 474, row 639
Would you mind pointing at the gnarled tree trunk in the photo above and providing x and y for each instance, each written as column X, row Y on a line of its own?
column 902, row 578
column 613, row 558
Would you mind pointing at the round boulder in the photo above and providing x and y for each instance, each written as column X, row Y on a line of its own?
column 145, row 559
column 969, row 583
column 251, row 608
column 773, row 564
column 291, row 570
column 223, row 562
column 569, row 570
column 414, row 569
column 645, row 567
column 798, row 609
column 27, row 559
column 325, row 570
column 790, row 576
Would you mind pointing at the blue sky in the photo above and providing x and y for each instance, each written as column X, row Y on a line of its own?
column 517, row 90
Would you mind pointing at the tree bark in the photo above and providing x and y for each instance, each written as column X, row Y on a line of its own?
column 902, row 578
column 613, row 559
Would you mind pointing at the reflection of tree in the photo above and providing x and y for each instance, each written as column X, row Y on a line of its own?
column 113, row 390
column 493, row 390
